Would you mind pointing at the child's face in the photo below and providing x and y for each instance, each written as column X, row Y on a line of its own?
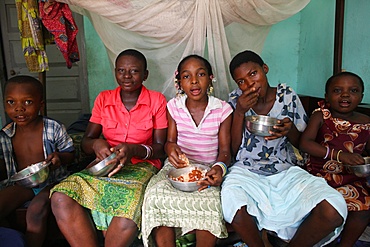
column 194, row 78
column 22, row 103
column 251, row 74
column 344, row 94
column 130, row 73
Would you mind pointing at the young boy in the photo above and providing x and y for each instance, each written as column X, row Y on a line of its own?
column 28, row 139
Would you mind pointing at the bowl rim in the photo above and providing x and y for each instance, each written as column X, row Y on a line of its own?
column 95, row 169
column 46, row 165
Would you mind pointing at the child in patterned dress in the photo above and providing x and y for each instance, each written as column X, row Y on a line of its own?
column 336, row 134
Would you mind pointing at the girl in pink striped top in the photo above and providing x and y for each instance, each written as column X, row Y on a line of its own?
column 199, row 127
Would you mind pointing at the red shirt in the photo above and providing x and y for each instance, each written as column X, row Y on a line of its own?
column 134, row 126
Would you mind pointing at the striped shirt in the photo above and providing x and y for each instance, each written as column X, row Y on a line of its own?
column 199, row 143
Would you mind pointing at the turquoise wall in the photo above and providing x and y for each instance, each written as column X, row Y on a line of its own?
column 298, row 50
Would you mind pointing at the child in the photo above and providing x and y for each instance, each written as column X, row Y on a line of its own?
column 264, row 189
column 134, row 123
column 199, row 128
column 337, row 134
column 30, row 138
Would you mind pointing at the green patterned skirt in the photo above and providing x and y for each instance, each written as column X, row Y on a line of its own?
column 185, row 211
column 120, row 196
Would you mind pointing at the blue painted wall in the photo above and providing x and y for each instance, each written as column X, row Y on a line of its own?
column 298, row 50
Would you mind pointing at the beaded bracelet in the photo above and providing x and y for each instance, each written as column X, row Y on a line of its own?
column 338, row 156
column 148, row 151
column 223, row 167
column 327, row 152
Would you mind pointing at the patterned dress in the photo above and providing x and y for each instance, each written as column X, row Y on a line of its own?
column 185, row 211
column 350, row 137
column 266, row 179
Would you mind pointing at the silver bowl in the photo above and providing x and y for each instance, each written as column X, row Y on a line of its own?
column 260, row 125
column 360, row 170
column 32, row 175
column 101, row 168
column 184, row 186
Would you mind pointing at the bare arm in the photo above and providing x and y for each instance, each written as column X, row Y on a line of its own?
column 245, row 102
column 172, row 149
column 214, row 176
column 307, row 141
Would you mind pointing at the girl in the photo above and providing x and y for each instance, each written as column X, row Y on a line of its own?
column 337, row 134
column 199, row 127
column 265, row 189
column 134, row 124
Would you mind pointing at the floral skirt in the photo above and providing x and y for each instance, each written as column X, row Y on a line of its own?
column 120, row 195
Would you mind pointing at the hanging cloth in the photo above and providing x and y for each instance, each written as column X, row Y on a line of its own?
column 31, row 33
column 58, row 20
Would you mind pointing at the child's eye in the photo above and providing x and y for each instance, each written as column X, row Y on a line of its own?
column 10, row 102
column 120, row 70
column 253, row 73
column 202, row 74
column 240, row 82
column 28, row 102
column 185, row 76
column 133, row 71
column 336, row 90
column 355, row 90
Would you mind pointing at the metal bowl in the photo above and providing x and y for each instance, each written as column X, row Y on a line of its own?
column 101, row 168
column 260, row 125
column 361, row 170
column 184, row 186
column 32, row 175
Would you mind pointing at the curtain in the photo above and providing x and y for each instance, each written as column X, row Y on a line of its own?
column 165, row 31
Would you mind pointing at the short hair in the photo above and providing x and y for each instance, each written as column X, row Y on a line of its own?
column 344, row 73
column 244, row 57
column 134, row 53
column 26, row 79
column 195, row 56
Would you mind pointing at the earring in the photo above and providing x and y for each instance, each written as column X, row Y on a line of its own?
column 210, row 90
column 179, row 91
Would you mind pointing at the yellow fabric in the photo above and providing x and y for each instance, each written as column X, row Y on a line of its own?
column 30, row 28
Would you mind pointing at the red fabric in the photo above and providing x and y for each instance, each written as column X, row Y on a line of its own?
column 351, row 137
column 58, row 20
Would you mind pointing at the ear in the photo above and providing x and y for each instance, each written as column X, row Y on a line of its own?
column 146, row 74
column 265, row 68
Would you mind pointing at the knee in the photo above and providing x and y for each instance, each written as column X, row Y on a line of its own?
column 124, row 224
column 38, row 211
column 329, row 214
column 240, row 217
column 60, row 201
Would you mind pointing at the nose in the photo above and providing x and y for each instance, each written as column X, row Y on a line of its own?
column 19, row 107
column 194, row 80
column 127, row 74
column 345, row 93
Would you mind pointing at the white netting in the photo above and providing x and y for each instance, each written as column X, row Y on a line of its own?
column 167, row 30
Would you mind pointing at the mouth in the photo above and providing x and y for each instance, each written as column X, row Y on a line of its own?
column 195, row 91
column 20, row 118
column 344, row 103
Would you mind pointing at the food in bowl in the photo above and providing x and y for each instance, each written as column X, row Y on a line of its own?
column 195, row 174
column 32, row 175
column 260, row 125
column 103, row 167
column 360, row 170
column 186, row 178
